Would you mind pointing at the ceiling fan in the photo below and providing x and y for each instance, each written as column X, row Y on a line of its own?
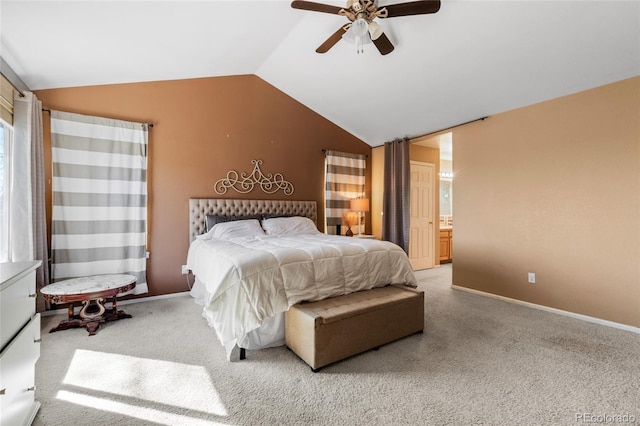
column 361, row 13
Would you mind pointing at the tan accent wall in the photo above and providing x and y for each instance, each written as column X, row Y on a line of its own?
column 554, row 189
column 202, row 129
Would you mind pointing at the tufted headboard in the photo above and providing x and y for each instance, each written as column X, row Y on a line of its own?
column 199, row 208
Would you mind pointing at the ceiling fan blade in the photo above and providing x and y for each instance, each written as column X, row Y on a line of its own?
column 383, row 44
column 332, row 40
column 412, row 8
column 315, row 7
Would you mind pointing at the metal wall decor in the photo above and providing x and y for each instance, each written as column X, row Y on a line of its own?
column 243, row 183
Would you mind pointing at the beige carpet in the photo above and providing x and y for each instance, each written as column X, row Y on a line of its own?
column 480, row 361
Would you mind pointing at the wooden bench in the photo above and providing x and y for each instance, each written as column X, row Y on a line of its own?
column 333, row 329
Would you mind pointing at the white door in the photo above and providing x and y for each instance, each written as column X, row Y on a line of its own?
column 421, row 227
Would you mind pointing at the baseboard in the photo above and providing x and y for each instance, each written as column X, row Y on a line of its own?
column 553, row 310
column 123, row 302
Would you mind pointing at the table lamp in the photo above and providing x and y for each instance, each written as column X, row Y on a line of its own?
column 360, row 205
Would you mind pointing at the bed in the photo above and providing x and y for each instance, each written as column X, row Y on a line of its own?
column 251, row 269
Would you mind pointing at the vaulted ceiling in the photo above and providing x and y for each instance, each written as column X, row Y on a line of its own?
column 471, row 59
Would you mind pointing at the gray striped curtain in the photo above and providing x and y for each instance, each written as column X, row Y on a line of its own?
column 397, row 187
column 99, row 223
column 344, row 180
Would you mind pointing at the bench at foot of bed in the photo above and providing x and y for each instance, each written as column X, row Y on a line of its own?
column 333, row 329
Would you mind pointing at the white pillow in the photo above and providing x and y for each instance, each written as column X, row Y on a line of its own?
column 289, row 226
column 236, row 229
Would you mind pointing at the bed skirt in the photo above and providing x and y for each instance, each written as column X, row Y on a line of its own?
column 268, row 335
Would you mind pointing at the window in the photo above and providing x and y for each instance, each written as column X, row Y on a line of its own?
column 6, row 141
column 6, row 135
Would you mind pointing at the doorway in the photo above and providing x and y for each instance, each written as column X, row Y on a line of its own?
column 437, row 149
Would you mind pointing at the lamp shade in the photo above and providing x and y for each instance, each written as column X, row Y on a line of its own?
column 360, row 205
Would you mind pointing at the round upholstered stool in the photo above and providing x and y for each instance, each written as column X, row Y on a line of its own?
column 92, row 292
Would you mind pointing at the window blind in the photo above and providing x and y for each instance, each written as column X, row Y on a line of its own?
column 6, row 100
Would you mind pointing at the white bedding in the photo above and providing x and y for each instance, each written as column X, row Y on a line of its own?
column 250, row 280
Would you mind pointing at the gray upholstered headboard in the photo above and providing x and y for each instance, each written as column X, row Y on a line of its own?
column 199, row 208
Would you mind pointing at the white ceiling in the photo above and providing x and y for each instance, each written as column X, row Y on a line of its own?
column 471, row 59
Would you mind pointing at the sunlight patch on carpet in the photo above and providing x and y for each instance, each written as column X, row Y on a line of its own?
column 134, row 411
column 168, row 383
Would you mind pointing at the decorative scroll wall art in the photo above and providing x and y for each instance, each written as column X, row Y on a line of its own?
column 243, row 183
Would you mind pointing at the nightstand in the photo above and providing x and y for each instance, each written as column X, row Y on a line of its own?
column 371, row 237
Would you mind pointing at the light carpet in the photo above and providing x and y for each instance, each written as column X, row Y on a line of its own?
column 479, row 361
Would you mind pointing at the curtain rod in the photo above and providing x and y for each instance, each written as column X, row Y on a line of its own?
column 449, row 128
column 49, row 111
column 324, row 150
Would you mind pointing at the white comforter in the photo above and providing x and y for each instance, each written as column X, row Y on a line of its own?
column 251, row 279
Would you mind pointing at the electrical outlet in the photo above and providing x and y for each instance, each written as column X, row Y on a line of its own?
column 185, row 270
column 532, row 277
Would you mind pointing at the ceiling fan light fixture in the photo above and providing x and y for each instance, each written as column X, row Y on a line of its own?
column 358, row 34
column 359, row 27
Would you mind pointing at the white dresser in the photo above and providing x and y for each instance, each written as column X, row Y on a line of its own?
column 19, row 342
